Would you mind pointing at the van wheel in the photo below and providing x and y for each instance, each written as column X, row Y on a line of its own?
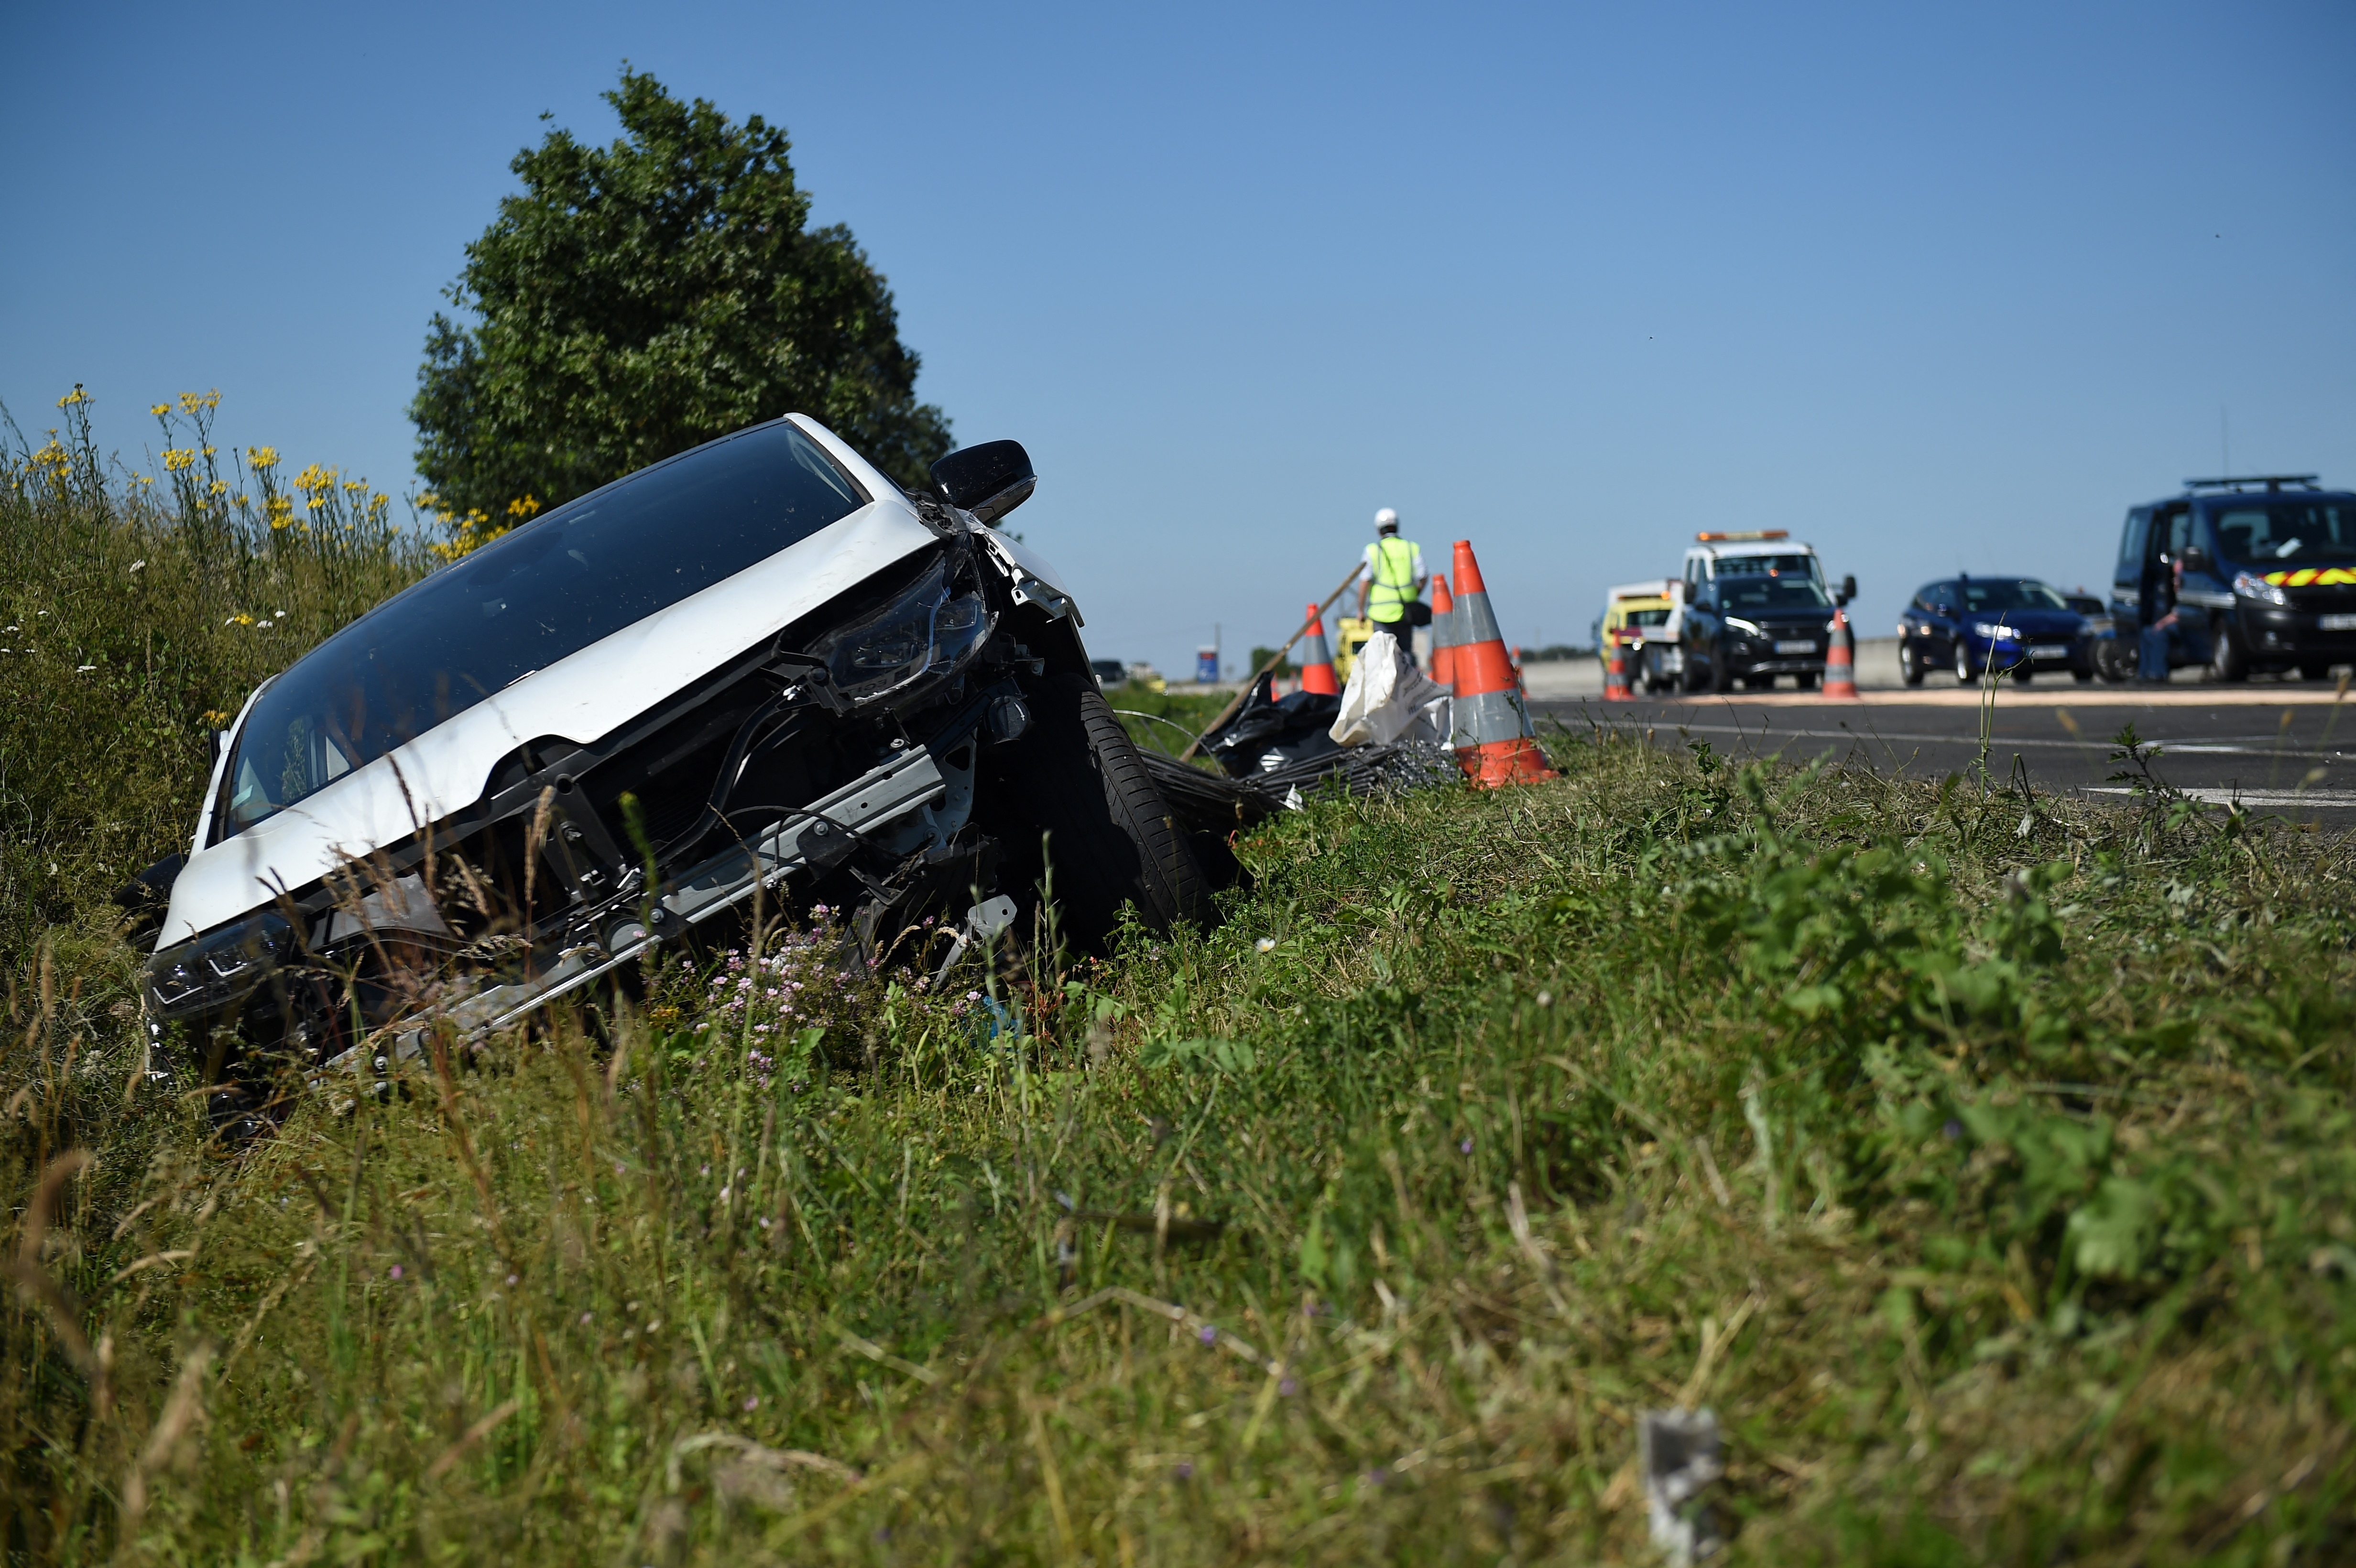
column 2228, row 660
column 1077, row 782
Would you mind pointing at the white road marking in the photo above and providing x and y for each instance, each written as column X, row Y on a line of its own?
column 2249, row 797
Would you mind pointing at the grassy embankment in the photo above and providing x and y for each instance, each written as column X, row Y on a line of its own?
column 1984, row 1161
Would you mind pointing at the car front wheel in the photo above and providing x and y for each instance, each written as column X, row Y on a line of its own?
column 1090, row 824
column 1963, row 664
column 1910, row 663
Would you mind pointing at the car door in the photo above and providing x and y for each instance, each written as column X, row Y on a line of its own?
column 2128, row 576
column 2194, row 542
column 1701, row 611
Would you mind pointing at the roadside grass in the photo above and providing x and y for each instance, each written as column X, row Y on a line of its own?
column 1165, row 720
column 1984, row 1160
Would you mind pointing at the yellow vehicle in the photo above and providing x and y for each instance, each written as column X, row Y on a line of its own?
column 1350, row 633
column 1647, row 617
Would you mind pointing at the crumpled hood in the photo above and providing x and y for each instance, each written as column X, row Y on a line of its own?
column 580, row 698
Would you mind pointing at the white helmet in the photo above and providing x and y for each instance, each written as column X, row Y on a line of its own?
column 1385, row 521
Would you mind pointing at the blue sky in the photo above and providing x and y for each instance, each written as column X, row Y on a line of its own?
column 1934, row 288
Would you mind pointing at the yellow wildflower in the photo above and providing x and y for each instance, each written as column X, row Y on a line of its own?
column 160, row 409
column 221, row 487
column 178, row 457
column 279, row 510
column 262, row 456
column 76, row 395
column 192, row 401
column 523, row 507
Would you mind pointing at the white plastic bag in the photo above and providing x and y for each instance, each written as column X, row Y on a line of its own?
column 1387, row 696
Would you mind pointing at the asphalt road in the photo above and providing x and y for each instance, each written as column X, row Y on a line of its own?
column 2284, row 749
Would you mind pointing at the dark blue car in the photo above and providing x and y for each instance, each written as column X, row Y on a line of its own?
column 1971, row 625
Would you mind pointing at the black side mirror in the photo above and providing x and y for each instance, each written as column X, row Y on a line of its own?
column 2195, row 559
column 1848, row 590
column 988, row 480
column 146, row 898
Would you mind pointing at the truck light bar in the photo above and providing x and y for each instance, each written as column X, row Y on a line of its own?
column 1744, row 538
column 2271, row 481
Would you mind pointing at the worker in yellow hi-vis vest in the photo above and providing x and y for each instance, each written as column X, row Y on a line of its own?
column 1390, row 584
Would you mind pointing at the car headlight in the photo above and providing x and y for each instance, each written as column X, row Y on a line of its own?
column 1994, row 631
column 924, row 629
column 1748, row 628
column 2250, row 585
column 215, row 970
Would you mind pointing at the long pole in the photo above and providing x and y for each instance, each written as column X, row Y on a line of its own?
column 1238, row 700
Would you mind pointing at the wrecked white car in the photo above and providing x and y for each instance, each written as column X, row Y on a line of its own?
column 757, row 668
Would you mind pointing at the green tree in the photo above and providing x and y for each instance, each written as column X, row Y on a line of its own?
column 636, row 300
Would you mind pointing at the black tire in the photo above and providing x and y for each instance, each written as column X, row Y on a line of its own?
column 1963, row 676
column 1721, row 680
column 1689, row 677
column 1805, row 681
column 1079, row 813
column 2082, row 677
column 1909, row 663
column 2228, row 660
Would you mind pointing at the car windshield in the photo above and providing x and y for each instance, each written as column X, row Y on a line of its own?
column 525, row 601
column 2010, row 593
column 2300, row 533
column 1656, row 617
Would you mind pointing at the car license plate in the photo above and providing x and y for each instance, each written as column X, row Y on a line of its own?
column 1796, row 647
column 2048, row 651
column 2337, row 623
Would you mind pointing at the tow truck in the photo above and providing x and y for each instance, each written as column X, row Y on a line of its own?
column 1756, row 606
column 1648, row 619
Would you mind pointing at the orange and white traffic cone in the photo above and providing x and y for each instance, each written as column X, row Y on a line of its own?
column 1444, row 632
column 1840, row 660
column 1493, row 740
column 1615, row 670
column 1317, row 659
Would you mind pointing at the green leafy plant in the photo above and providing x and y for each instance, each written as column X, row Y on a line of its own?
column 636, row 300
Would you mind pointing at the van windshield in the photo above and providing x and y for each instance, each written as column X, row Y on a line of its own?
column 2300, row 532
column 1799, row 563
column 1784, row 592
column 523, row 601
